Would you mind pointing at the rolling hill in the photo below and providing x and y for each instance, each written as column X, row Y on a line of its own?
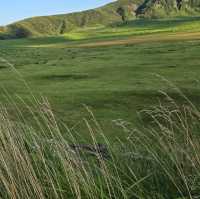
column 60, row 24
column 105, row 15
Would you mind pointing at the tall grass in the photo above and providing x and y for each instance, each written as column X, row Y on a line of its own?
column 159, row 160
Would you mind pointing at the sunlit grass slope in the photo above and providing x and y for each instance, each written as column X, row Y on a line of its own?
column 137, row 27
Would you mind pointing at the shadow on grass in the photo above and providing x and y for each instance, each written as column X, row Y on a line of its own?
column 3, row 67
column 64, row 77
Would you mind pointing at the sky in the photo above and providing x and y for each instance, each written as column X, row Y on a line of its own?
column 14, row 10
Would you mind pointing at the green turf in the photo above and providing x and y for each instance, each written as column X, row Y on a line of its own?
column 115, row 81
column 137, row 27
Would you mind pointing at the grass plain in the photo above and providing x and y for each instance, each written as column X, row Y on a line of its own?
column 116, row 71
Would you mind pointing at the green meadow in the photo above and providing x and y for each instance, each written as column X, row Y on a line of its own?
column 132, row 87
column 115, row 80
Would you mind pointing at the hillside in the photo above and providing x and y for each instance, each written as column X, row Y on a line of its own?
column 60, row 24
column 105, row 15
column 166, row 8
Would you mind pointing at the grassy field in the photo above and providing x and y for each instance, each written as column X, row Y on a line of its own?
column 96, row 81
column 114, row 71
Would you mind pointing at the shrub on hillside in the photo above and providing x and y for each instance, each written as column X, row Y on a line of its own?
column 18, row 31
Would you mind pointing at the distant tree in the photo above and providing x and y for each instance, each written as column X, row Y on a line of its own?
column 84, row 20
column 17, row 31
column 179, row 4
column 62, row 27
column 21, row 32
column 122, row 12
